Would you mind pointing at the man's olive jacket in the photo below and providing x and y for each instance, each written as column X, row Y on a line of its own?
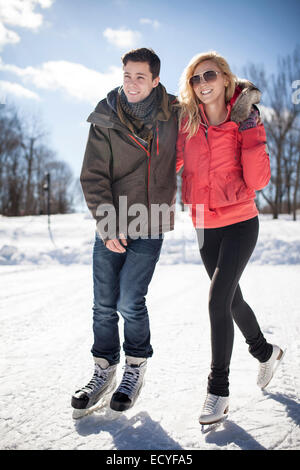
column 118, row 163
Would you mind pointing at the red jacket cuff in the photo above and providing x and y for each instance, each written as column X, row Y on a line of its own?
column 253, row 137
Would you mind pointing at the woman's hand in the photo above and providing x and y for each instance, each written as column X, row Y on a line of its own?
column 253, row 120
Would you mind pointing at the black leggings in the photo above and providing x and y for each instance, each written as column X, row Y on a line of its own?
column 225, row 254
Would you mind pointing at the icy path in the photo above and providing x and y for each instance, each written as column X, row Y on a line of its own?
column 45, row 339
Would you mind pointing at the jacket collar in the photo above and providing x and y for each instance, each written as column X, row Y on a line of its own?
column 245, row 96
column 105, row 114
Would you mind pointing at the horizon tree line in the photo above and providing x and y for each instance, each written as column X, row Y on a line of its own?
column 25, row 158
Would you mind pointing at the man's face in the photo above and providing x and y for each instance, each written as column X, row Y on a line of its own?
column 137, row 81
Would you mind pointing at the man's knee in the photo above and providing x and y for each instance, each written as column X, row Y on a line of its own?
column 129, row 304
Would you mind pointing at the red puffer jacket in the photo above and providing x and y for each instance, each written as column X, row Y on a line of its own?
column 224, row 166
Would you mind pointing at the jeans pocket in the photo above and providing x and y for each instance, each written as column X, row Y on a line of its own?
column 147, row 248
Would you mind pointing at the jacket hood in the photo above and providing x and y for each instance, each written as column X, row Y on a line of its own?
column 112, row 99
column 245, row 96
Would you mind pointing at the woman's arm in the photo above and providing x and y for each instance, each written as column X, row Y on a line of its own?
column 179, row 150
column 254, row 155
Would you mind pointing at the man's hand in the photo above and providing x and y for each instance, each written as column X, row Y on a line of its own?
column 115, row 245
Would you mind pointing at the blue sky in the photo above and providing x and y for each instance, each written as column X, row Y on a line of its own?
column 58, row 58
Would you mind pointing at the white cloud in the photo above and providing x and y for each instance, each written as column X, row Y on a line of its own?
column 9, row 88
column 156, row 24
column 7, row 36
column 74, row 79
column 123, row 38
column 19, row 13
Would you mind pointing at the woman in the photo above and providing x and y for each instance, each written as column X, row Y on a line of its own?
column 222, row 146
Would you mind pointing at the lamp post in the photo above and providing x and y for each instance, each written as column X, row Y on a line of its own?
column 47, row 187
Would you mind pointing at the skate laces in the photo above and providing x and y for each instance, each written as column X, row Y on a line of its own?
column 129, row 380
column 99, row 378
column 210, row 403
column 264, row 369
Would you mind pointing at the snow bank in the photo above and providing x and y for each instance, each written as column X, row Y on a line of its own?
column 27, row 240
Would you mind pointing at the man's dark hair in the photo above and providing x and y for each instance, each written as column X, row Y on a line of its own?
column 144, row 55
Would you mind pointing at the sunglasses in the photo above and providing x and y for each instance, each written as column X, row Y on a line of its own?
column 209, row 76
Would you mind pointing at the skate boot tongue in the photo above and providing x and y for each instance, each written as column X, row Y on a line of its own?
column 130, row 386
column 133, row 366
column 210, row 403
column 135, row 361
column 214, row 409
column 103, row 363
column 267, row 369
column 101, row 384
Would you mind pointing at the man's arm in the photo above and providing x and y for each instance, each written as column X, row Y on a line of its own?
column 96, row 181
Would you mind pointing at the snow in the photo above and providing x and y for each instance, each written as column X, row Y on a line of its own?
column 46, row 336
column 26, row 240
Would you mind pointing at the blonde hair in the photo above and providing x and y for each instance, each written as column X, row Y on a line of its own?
column 188, row 100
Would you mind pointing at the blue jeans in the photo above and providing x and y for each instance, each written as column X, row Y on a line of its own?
column 121, row 283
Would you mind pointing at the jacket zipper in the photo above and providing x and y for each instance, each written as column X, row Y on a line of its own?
column 149, row 156
column 149, row 163
column 140, row 145
column 206, row 132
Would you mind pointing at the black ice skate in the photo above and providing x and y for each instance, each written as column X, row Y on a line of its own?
column 97, row 392
column 130, row 387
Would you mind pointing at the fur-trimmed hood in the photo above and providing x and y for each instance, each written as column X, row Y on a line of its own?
column 245, row 96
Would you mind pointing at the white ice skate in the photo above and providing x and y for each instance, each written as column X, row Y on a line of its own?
column 214, row 411
column 267, row 369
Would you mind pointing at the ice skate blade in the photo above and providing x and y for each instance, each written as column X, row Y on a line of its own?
column 102, row 403
column 208, row 427
column 277, row 363
column 77, row 414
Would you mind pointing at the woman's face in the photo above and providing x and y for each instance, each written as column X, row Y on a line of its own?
column 210, row 92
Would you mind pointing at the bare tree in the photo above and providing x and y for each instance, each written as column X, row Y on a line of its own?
column 61, row 177
column 78, row 201
column 281, row 117
column 24, row 160
column 296, row 189
column 33, row 134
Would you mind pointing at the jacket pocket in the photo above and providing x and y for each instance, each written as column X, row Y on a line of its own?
column 185, row 195
column 229, row 189
column 192, row 192
column 132, row 187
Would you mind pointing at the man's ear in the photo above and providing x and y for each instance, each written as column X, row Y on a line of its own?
column 156, row 82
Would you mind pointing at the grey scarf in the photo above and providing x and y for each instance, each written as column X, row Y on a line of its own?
column 143, row 110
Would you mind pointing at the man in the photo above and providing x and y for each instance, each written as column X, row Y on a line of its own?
column 129, row 166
